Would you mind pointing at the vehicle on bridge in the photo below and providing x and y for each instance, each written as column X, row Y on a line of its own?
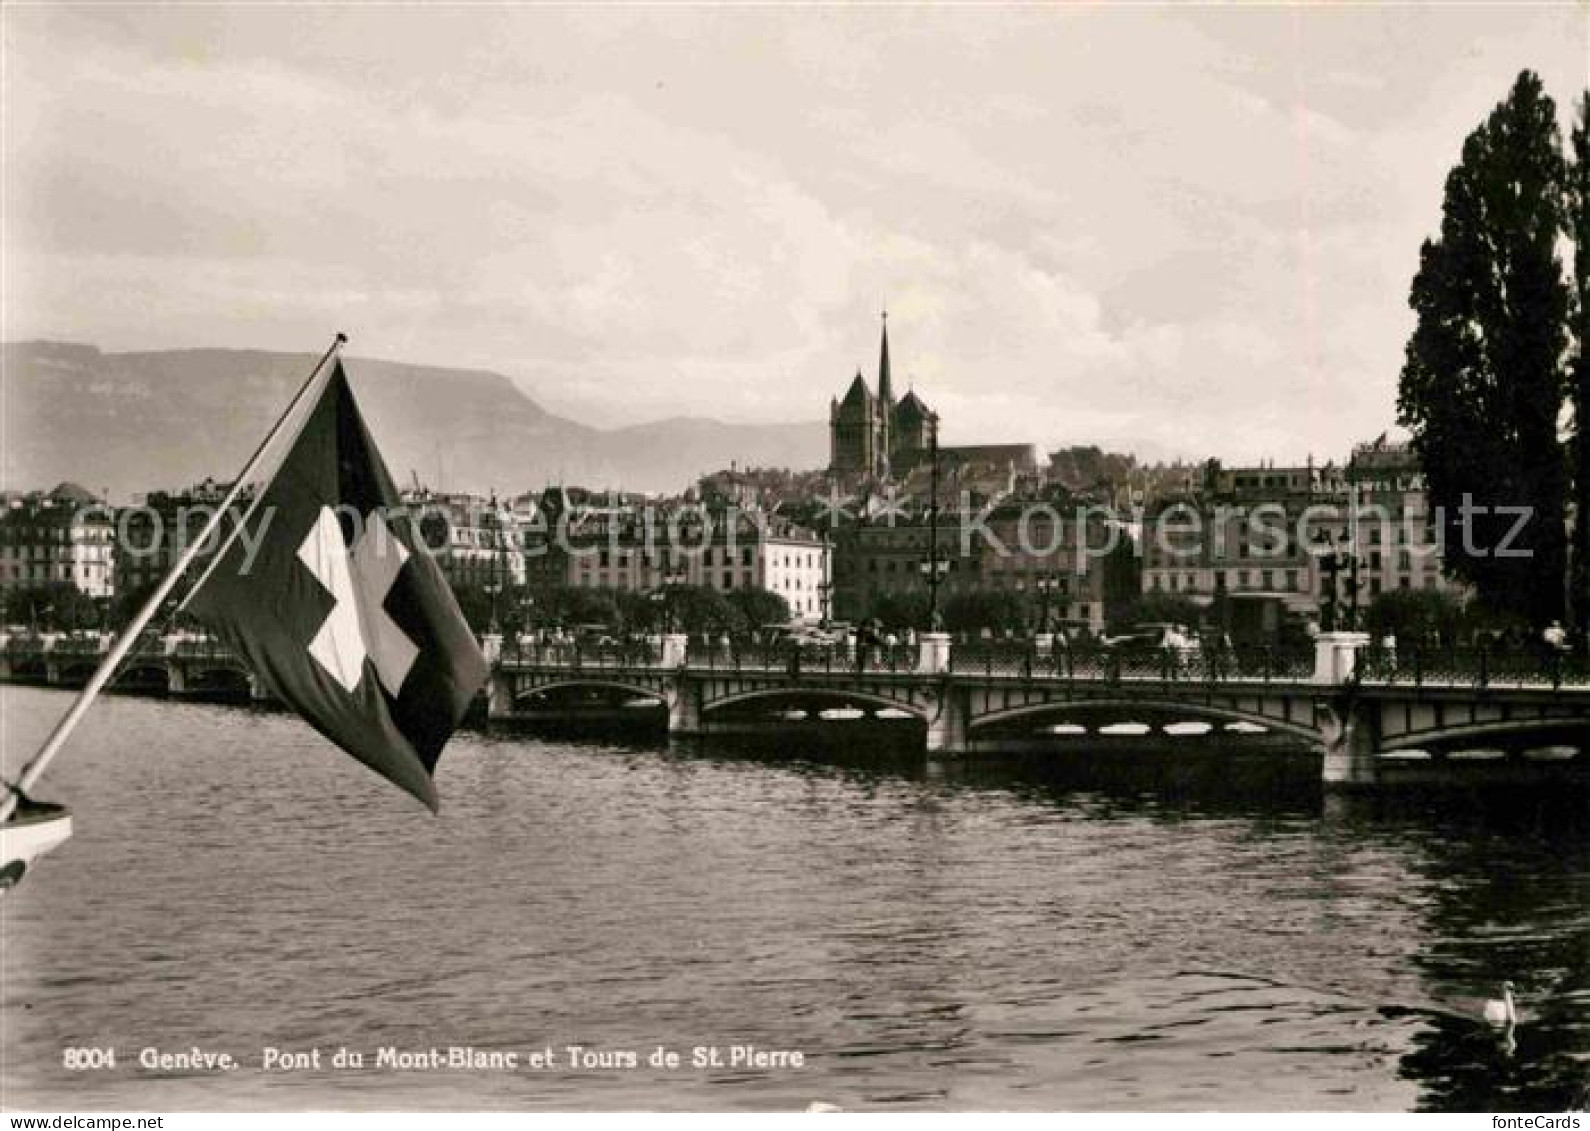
column 1155, row 636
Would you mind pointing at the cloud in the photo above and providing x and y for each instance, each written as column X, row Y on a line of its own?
column 1190, row 230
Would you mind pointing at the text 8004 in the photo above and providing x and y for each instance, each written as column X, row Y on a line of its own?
column 79, row 1059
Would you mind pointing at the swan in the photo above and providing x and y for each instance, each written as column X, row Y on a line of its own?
column 1500, row 1011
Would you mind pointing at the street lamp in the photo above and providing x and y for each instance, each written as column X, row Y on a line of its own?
column 825, row 587
column 494, row 532
column 931, row 567
column 492, row 589
column 1046, row 586
column 1339, row 557
column 663, row 599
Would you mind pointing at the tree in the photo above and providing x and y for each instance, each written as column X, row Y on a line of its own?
column 998, row 610
column 755, row 606
column 699, row 609
column 898, row 611
column 565, row 606
column 52, row 606
column 1481, row 387
column 1415, row 616
column 1084, row 468
column 1123, row 578
column 1577, row 220
column 637, row 612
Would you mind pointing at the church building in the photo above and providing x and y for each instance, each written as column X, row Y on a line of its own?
column 875, row 435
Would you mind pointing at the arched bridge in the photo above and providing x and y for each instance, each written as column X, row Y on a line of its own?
column 1371, row 717
column 178, row 664
column 1368, row 721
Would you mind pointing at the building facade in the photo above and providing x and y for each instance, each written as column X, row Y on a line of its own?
column 891, row 556
column 1394, row 534
column 63, row 536
column 1298, row 536
column 1069, row 558
column 477, row 542
column 152, row 534
column 723, row 550
column 1248, row 533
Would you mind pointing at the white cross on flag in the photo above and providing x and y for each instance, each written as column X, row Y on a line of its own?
column 341, row 611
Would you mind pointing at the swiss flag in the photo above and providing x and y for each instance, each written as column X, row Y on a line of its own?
column 341, row 611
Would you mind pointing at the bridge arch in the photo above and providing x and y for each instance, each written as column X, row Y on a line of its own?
column 657, row 693
column 839, row 696
column 143, row 677
column 1172, row 710
column 224, row 679
column 30, row 669
column 77, row 672
column 1495, row 728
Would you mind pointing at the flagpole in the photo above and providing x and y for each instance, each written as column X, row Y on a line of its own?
column 129, row 636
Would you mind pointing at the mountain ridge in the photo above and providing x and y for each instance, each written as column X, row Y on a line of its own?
column 141, row 420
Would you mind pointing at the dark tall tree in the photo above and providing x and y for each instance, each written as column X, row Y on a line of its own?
column 1482, row 386
column 1577, row 204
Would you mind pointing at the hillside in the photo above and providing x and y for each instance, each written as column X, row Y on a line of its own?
column 133, row 422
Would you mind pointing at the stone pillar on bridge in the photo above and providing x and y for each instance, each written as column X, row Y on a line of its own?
column 946, row 726
column 176, row 676
column 257, row 692
column 674, row 649
column 684, row 706
column 933, row 653
column 1351, row 733
column 1336, row 655
column 499, row 694
column 491, row 646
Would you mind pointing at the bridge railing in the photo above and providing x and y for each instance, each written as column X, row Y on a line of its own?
column 1445, row 667
column 618, row 654
column 196, row 646
column 789, row 657
column 75, row 645
column 1256, row 664
column 1472, row 667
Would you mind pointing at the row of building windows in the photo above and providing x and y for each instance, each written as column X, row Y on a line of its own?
column 709, row 556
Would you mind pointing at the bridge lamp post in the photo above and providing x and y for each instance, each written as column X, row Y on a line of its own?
column 492, row 588
column 664, row 599
column 825, row 587
column 496, row 537
column 1333, row 562
column 1046, row 587
column 933, row 567
column 660, row 599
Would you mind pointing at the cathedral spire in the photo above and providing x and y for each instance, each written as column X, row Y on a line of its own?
column 885, row 389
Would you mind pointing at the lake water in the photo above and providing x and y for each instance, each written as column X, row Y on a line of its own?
column 1165, row 935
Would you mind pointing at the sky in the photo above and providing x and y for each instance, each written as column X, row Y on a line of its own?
column 1180, row 231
